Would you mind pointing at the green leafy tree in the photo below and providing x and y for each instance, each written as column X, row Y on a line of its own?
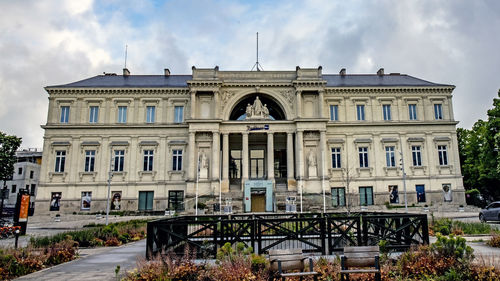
column 8, row 148
column 478, row 150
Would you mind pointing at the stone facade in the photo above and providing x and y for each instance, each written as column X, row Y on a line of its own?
column 172, row 137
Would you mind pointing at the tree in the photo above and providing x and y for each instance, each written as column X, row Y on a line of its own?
column 479, row 155
column 8, row 148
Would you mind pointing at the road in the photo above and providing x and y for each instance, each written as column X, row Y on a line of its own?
column 94, row 264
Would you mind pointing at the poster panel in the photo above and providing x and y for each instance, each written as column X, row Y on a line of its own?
column 116, row 201
column 23, row 210
column 55, row 201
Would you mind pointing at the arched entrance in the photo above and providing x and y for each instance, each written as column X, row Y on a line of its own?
column 275, row 110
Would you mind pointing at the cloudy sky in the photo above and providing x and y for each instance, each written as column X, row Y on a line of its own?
column 56, row 42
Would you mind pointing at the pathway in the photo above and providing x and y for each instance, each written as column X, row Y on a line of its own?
column 94, row 264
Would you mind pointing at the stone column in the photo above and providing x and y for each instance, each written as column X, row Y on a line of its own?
column 321, row 99
column 225, row 162
column 270, row 156
column 299, row 104
column 215, row 166
column 244, row 157
column 324, row 154
column 216, row 105
column 300, row 154
column 289, row 156
column 192, row 157
column 193, row 104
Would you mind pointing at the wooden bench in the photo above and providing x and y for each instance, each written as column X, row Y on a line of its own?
column 359, row 257
column 288, row 260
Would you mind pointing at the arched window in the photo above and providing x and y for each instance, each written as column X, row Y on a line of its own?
column 275, row 111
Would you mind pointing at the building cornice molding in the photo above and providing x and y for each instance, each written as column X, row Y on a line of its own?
column 390, row 90
column 114, row 91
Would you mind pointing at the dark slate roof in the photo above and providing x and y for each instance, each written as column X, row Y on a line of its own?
column 133, row 81
column 368, row 80
column 332, row 80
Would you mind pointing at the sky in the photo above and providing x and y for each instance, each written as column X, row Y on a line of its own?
column 51, row 42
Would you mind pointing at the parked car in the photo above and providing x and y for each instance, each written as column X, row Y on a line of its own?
column 491, row 212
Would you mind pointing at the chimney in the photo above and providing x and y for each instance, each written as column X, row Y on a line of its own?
column 380, row 72
column 126, row 72
column 167, row 72
column 342, row 72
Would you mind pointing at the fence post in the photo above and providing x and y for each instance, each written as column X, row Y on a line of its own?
column 323, row 234
column 365, row 229
column 259, row 235
column 150, row 240
column 359, row 231
column 425, row 229
column 216, row 226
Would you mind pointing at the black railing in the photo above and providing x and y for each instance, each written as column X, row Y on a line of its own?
column 314, row 233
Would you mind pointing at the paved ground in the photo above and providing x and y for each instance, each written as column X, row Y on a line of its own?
column 94, row 264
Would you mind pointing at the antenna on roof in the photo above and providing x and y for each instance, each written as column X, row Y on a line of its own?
column 257, row 65
column 126, row 48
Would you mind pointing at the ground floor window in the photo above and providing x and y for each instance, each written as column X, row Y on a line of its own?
column 86, row 200
column 365, row 195
column 176, row 200
column 117, row 201
column 393, row 194
column 338, row 196
column 55, row 201
column 420, row 188
column 146, row 200
column 447, row 192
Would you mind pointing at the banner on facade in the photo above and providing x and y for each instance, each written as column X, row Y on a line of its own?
column 23, row 209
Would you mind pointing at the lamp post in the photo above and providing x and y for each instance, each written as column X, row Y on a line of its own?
column 110, row 175
column 402, row 164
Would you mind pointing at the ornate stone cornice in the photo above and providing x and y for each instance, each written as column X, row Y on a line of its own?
column 391, row 90
column 114, row 91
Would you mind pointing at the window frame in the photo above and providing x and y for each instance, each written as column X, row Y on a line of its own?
column 118, row 160
column 438, row 111
column 386, row 112
column 179, row 204
column 338, row 196
column 60, row 161
column 336, row 157
column 360, row 112
column 178, row 117
column 150, row 114
column 416, row 155
column 412, row 111
column 365, row 193
column 89, row 165
column 93, row 114
column 64, row 118
column 334, row 112
column 177, row 155
column 390, row 156
column 442, row 155
column 122, row 114
column 363, row 157
column 148, row 157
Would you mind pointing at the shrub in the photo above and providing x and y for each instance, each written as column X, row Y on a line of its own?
column 452, row 246
column 494, row 241
column 113, row 241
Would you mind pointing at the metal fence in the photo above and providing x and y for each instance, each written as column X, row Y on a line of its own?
column 314, row 233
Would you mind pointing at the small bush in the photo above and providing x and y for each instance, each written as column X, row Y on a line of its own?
column 494, row 241
column 454, row 247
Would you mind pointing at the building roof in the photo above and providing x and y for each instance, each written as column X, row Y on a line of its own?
column 332, row 80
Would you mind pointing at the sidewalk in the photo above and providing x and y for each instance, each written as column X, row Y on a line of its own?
column 94, row 264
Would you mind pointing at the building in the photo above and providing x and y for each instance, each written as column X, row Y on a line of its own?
column 256, row 138
column 26, row 176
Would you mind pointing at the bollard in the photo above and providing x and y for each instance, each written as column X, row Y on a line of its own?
column 17, row 237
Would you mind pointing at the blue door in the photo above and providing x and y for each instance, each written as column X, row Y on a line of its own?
column 420, row 192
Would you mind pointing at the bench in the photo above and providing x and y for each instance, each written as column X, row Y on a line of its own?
column 360, row 257
column 283, row 261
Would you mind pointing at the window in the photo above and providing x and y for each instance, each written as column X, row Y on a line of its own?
column 365, row 195
column 176, row 200
column 420, row 193
column 338, row 196
column 60, row 161
column 363, row 157
column 93, row 114
column 33, row 188
column 122, row 114
column 89, row 160
column 443, row 155
column 119, row 160
column 336, row 160
column 14, row 188
column 416, row 154
column 32, row 174
column 390, row 158
column 393, row 194
column 360, row 108
column 412, row 111
column 20, row 171
column 146, row 200
column 177, row 160
column 179, row 114
column 334, row 113
column 86, row 200
column 438, row 111
column 386, row 109
column 150, row 114
column 447, row 192
column 148, row 160
column 64, row 114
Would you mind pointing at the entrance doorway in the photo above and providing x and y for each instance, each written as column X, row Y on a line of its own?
column 259, row 202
